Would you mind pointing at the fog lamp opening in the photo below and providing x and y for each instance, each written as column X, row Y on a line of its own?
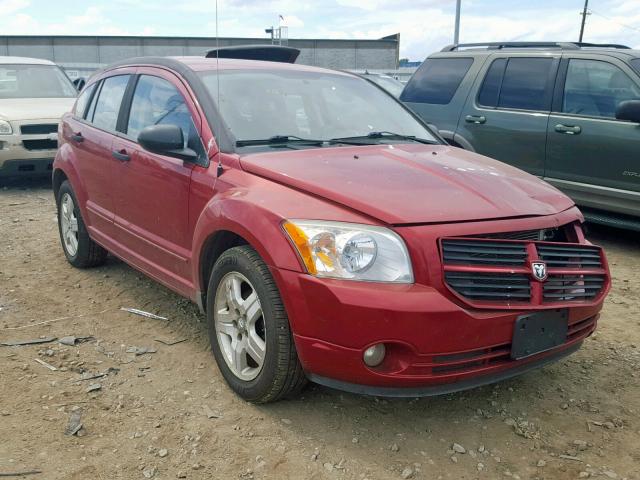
column 374, row 355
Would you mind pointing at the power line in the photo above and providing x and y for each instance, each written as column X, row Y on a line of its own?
column 615, row 21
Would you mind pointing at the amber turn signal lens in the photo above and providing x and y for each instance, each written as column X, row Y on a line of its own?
column 301, row 242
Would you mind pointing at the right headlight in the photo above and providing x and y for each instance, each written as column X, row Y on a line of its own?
column 350, row 251
column 5, row 128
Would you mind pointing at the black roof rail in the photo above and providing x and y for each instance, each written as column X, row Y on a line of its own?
column 269, row 53
column 603, row 45
column 560, row 45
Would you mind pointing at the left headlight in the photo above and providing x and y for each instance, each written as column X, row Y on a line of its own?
column 350, row 251
column 5, row 128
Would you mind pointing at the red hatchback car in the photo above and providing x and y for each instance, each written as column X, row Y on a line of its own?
column 326, row 231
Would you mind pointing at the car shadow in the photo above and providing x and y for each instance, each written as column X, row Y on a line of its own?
column 25, row 183
column 612, row 236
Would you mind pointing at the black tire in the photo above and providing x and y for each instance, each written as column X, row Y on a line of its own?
column 88, row 253
column 281, row 374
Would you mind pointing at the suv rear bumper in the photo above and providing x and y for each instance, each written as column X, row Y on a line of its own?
column 433, row 345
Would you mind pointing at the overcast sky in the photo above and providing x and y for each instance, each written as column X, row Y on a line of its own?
column 424, row 25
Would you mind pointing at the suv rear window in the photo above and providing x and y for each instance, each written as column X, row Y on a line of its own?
column 523, row 84
column 635, row 63
column 436, row 81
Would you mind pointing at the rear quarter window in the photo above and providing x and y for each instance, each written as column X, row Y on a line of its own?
column 83, row 101
column 436, row 81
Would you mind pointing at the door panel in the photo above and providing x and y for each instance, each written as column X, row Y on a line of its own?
column 92, row 139
column 152, row 205
column 591, row 155
column 507, row 120
column 96, row 168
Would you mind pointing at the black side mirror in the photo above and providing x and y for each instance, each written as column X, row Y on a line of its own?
column 629, row 110
column 79, row 83
column 166, row 140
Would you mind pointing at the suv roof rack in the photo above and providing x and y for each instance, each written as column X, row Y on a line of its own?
column 269, row 53
column 561, row 45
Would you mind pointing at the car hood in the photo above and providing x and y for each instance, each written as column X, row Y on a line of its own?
column 411, row 183
column 34, row 108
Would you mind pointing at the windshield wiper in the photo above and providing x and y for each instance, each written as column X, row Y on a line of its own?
column 279, row 140
column 381, row 134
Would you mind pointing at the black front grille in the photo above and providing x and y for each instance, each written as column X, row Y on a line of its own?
column 564, row 256
column 560, row 288
column 39, row 129
column 545, row 234
column 471, row 252
column 42, row 144
column 495, row 287
column 500, row 272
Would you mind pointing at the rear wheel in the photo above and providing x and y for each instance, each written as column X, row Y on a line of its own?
column 80, row 250
column 249, row 329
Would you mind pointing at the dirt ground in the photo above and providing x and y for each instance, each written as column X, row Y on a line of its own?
column 169, row 414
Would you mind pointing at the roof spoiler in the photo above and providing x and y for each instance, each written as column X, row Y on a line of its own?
column 267, row 53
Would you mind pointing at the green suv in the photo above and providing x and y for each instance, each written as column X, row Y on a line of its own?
column 566, row 112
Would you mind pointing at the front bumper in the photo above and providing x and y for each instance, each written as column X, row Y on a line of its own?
column 443, row 389
column 433, row 344
column 27, row 154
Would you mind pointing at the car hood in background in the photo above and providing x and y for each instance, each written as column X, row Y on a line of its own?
column 34, row 108
column 411, row 183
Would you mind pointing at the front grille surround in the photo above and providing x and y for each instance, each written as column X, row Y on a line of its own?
column 498, row 273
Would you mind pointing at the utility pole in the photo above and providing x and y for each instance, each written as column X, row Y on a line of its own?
column 584, row 14
column 456, row 32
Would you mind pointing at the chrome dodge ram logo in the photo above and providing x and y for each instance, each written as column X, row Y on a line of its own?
column 539, row 271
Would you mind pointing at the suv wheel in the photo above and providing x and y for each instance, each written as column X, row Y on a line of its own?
column 249, row 329
column 80, row 250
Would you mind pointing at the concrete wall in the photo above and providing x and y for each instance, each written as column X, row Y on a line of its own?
column 80, row 55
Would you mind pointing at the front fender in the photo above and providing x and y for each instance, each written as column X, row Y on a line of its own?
column 260, row 227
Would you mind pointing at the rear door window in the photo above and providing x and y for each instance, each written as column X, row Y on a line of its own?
column 635, row 63
column 157, row 101
column 596, row 88
column 107, row 107
column 526, row 85
column 436, row 81
column 490, row 90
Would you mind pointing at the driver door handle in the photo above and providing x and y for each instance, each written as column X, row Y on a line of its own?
column 121, row 155
column 475, row 119
column 77, row 137
column 568, row 129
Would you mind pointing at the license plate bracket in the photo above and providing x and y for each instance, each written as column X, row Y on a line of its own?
column 538, row 332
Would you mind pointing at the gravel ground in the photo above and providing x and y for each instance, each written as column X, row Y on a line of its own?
column 167, row 413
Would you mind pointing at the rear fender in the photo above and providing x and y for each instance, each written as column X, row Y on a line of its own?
column 65, row 162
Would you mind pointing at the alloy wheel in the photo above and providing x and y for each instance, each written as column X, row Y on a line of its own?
column 239, row 325
column 69, row 224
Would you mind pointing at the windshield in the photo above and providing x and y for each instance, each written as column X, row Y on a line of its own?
column 390, row 84
column 259, row 104
column 34, row 81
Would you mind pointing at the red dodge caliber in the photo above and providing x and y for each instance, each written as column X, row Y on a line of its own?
column 326, row 231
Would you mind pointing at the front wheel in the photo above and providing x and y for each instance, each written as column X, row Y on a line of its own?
column 249, row 329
